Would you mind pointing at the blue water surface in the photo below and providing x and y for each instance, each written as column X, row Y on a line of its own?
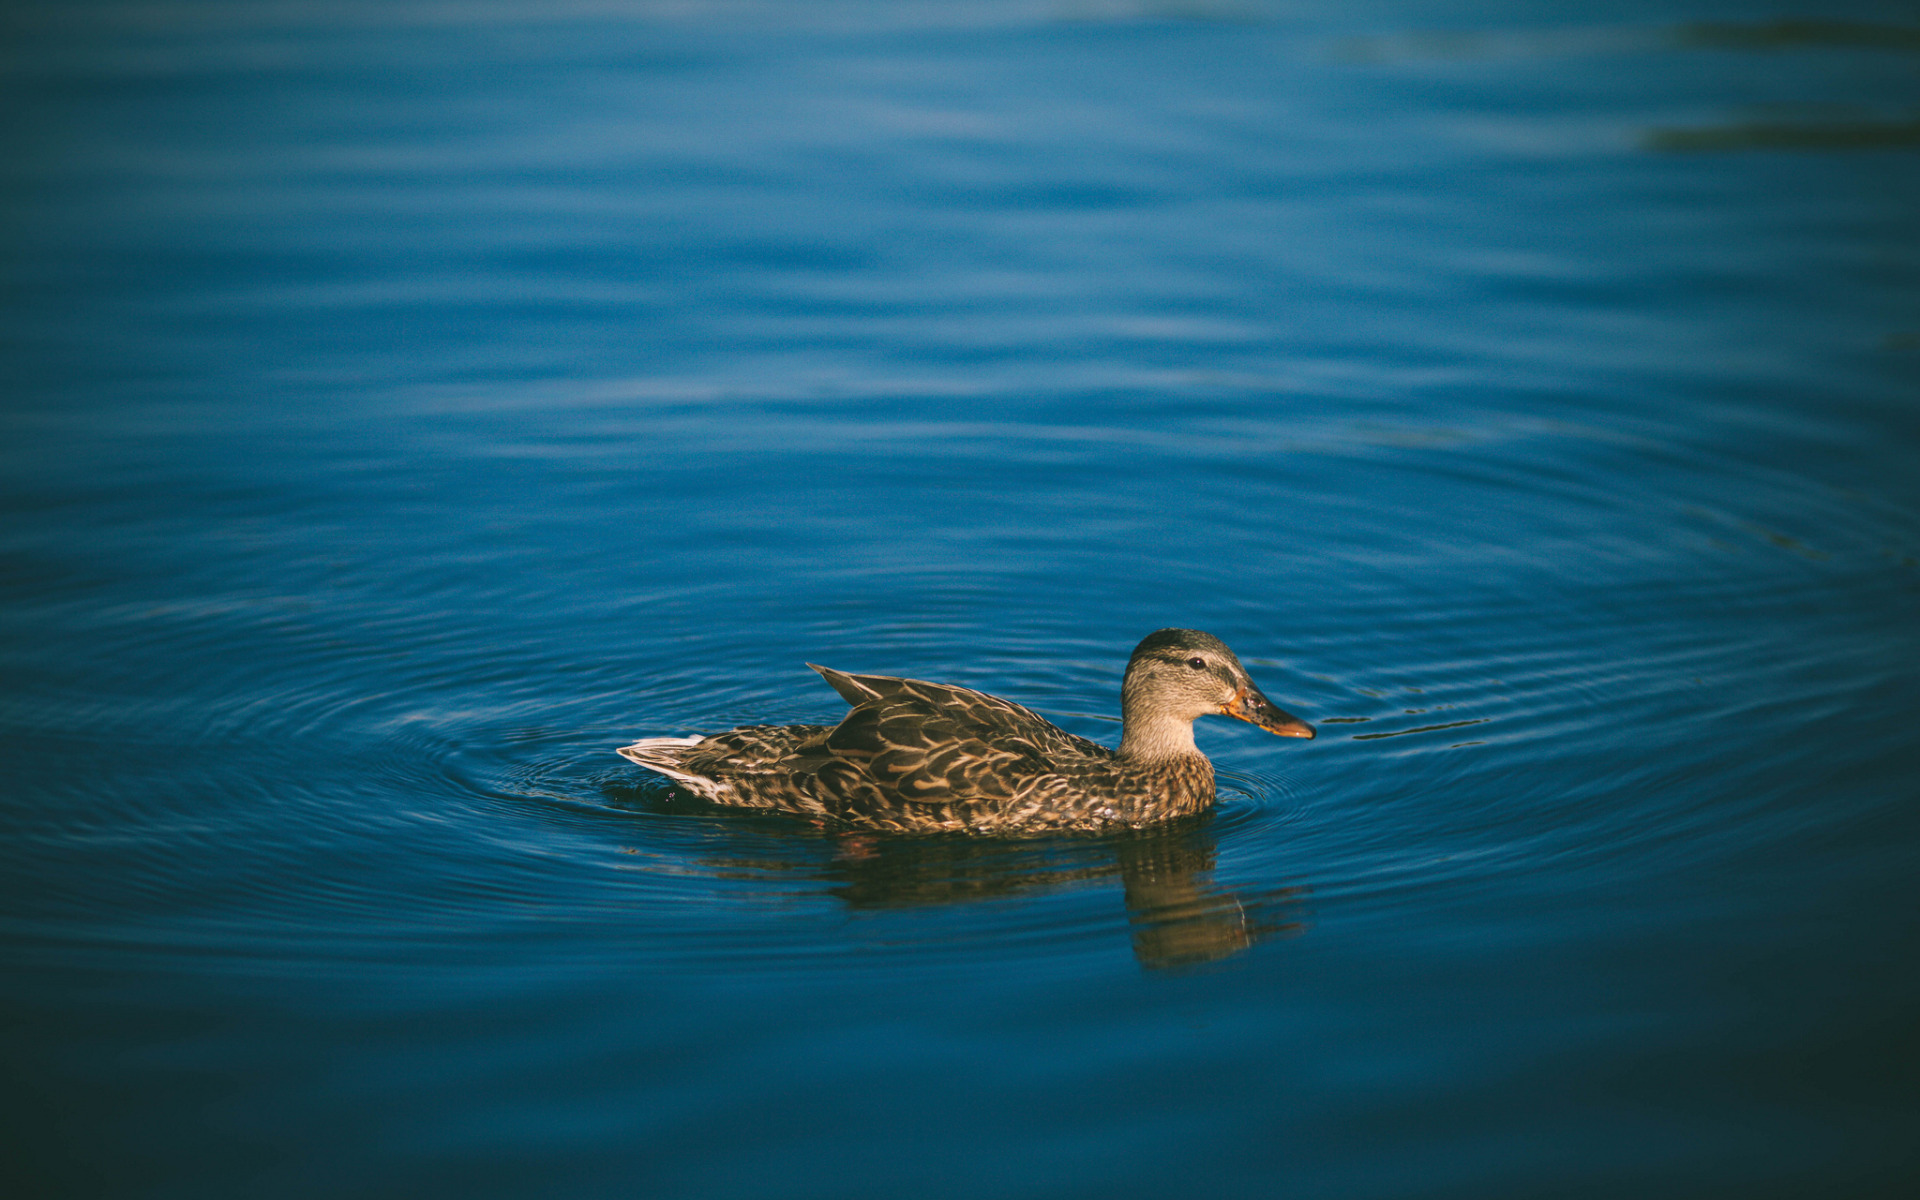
column 407, row 403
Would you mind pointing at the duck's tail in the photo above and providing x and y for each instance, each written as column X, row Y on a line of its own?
column 666, row 755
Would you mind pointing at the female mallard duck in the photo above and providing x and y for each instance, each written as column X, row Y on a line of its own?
column 924, row 757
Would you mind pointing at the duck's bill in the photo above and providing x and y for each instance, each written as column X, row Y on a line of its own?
column 1250, row 706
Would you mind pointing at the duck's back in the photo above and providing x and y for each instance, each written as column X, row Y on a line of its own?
column 923, row 742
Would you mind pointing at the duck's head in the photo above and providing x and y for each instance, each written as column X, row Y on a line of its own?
column 1179, row 674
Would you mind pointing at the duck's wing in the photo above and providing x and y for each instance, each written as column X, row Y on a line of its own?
column 992, row 710
column 856, row 689
column 936, row 744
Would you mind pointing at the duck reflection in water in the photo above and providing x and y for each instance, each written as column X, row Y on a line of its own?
column 1177, row 915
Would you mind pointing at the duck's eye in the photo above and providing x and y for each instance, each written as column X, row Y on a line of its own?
column 1198, row 664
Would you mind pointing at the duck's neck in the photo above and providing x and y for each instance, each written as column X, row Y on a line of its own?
column 1157, row 738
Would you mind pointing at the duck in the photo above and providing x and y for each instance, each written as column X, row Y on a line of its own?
column 918, row 757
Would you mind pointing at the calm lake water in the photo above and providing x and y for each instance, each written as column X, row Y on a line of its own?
column 407, row 403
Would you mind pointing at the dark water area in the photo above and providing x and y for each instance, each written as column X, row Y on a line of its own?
column 408, row 403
